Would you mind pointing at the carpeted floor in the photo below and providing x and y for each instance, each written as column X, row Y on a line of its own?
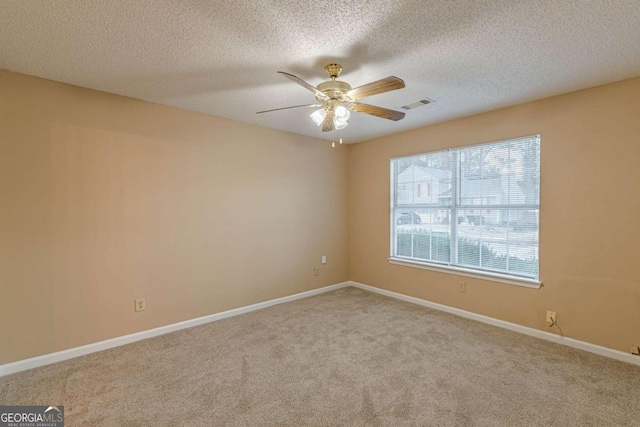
column 347, row 357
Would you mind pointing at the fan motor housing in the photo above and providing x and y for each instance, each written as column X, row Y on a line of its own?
column 334, row 89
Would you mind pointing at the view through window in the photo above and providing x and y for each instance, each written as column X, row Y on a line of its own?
column 474, row 207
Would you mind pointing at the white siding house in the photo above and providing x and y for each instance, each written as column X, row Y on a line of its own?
column 422, row 185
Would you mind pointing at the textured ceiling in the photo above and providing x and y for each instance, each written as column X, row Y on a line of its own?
column 221, row 57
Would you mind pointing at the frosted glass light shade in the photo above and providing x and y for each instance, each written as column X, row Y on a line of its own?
column 342, row 113
column 318, row 116
column 339, row 124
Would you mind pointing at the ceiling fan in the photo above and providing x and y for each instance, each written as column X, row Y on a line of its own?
column 337, row 99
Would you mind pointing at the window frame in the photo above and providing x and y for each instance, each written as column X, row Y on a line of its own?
column 456, row 205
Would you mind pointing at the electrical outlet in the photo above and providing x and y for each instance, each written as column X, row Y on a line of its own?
column 551, row 317
column 635, row 350
column 462, row 287
column 141, row 305
column 316, row 271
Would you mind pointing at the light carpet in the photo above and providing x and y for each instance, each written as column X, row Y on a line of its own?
column 343, row 358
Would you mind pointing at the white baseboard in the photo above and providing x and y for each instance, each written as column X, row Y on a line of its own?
column 46, row 359
column 570, row 342
column 34, row 362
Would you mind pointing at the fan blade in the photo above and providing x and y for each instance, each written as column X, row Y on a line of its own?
column 304, row 84
column 328, row 125
column 286, row 108
column 384, row 113
column 379, row 86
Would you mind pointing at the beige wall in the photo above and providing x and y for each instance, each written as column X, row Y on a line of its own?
column 589, row 216
column 104, row 199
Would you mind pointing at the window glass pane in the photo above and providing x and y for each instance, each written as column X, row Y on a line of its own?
column 500, row 174
column 527, row 169
column 424, row 180
column 470, row 241
column 504, row 240
column 523, row 242
column 423, row 234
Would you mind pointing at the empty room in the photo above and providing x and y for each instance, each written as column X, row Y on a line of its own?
column 339, row 213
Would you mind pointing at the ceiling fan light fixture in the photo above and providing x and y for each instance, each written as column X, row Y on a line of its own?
column 318, row 116
column 342, row 113
column 340, row 124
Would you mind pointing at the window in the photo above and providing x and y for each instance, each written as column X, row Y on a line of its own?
column 480, row 213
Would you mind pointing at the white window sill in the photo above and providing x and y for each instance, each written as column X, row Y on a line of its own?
column 493, row 277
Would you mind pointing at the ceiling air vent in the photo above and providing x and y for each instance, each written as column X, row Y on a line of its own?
column 417, row 104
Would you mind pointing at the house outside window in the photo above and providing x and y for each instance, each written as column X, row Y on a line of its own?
column 473, row 208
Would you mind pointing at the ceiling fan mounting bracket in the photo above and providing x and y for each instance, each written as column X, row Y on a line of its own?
column 333, row 70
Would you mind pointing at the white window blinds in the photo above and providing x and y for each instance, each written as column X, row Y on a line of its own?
column 474, row 207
